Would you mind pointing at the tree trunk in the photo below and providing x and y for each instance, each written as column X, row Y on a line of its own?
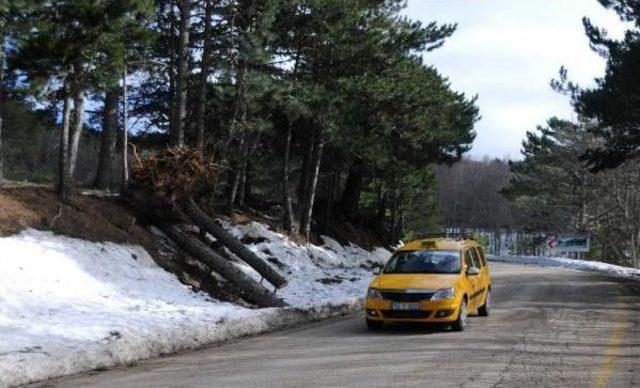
column 303, row 183
column 78, row 121
column 393, row 204
column 401, row 219
column 636, row 242
column 204, row 74
column 180, row 108
column 125, row 130
column 351, row 194
column 189, row 271
column 239, row 114
column 244, row 171
column 236, row 175
column 242, row 185
column 381, row 202
column 151, row 209
column 1, row 157
column 64, row 182
column 191, row 209
column 2, row 96
column 286, row 196
column 334, row 180
column 253, row 292
column 316, row 160
column 108, row 138
column 247, row 193
column 233, row 183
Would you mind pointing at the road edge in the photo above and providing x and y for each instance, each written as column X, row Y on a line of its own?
column 598, row 268
column 265, row 321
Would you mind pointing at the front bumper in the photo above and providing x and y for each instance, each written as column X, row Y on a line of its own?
column 430, row 311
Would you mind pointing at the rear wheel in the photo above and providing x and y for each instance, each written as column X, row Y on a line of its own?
column 374, row 325
column 461, row 322
column 483, row 311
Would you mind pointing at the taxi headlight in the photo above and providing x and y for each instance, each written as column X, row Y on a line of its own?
column 374, row 293
column 444, row 293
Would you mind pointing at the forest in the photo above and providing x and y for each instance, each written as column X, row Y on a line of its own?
column 322, row 108
column 322, row 111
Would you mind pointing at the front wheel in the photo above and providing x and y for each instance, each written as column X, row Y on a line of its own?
column 461, row 322
column 374, row 325
column 484, row 310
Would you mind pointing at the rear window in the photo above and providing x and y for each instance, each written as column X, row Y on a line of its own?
column 481, row 254
column 476, row 259
column 424, row 261
column 468, row 260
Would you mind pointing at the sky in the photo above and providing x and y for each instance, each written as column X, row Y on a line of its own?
column 507, row 52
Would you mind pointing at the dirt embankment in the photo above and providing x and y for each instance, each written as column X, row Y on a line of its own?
column 87, row 217
column 99, row 218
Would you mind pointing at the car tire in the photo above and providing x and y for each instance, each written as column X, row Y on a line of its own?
column 374, row 325
column 461, row 322
column 483, row 311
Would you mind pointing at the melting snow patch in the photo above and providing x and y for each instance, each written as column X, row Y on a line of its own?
column 69, row 305
column 317, row 275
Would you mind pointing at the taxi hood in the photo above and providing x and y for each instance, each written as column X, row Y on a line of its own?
column 414, row 281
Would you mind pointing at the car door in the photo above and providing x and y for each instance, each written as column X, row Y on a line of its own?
column 485, row 268
column 481, row 279
column 472, row 280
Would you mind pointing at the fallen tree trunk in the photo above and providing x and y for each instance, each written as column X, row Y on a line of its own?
column 202, row 220
column 166, row 216
column 151, row 209
column 252, row 291
column 200, row 277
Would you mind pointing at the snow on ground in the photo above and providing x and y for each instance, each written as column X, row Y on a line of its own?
column 69, row 305
column 317, row 275
column 579, row 265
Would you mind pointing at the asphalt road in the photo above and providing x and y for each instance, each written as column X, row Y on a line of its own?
column 548, row 327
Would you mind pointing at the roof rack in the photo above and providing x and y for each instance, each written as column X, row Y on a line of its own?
column 448, row 236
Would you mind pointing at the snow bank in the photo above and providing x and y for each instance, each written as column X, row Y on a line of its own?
column 579, row 265
column 317, row 275
column 69, row 305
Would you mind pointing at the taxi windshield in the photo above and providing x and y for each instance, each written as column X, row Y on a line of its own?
column 425, row 261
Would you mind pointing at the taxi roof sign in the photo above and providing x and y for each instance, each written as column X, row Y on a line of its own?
column 428, row 244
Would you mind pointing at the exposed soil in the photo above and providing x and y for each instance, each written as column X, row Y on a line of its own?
column 95, row 217
column 87, row 216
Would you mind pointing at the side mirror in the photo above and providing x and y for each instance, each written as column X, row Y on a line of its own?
column 473, row 271
column 377, row 270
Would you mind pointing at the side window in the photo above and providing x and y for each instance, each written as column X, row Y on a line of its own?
column 476, row 259
column 467, row 258
column 482, row 258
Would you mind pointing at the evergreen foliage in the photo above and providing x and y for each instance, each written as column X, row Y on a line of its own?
column 613, row 102
column 323, row 107
column 555, row 192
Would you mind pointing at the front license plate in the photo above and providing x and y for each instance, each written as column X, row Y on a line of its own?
column 405, row 306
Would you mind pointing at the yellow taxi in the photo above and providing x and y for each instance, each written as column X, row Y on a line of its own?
column 434, row 279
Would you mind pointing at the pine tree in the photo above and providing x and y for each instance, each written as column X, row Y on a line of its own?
column 4, row 25
column 554, row 191
column 73, row 44
column 548, row 182
column 332, row 43
column 613, row 101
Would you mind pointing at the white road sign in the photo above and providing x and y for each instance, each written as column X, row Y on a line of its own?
column 569, row 242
